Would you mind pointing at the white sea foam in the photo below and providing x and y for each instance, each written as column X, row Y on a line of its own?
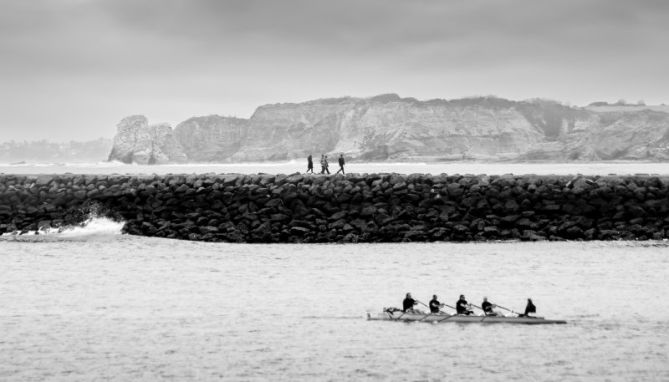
column 95, row 228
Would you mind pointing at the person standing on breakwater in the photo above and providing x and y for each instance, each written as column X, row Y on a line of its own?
column 324, row 164
column 408, row 303
column 341, row 165
column 310, row 164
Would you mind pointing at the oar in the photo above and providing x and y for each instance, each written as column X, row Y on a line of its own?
column 448, row 306
column 478, row 307
column 423, row 304
column 508, row 310
column 430, row 310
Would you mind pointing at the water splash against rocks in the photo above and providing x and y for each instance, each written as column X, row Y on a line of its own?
column 95, row 228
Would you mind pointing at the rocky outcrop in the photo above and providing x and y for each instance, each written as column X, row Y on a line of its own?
column 634, row 135
column 355, row 208
column 138, row 142
column 390, row 127
column 212, row 138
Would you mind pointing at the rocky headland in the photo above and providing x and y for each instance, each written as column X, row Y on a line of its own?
column 138, row 142
column 356, row 208
column 389, row 127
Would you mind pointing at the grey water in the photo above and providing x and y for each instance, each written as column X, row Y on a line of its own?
column 113, row 307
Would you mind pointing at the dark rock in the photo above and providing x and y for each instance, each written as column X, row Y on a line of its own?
column 529, row 235
column 279, row 217
column 338, row 215
column 299, row 230
column 261, row 208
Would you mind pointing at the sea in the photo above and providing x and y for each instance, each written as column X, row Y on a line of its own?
column 91, row 304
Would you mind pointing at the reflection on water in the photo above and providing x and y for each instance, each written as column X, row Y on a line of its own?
column 134, row 308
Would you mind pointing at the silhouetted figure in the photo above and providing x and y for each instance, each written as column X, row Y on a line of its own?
column 341, row 165
column 435, row 304
column 408, row 303
column 529, row 308
column 462, row 306
column 310, row 164
column 487, row 307
column 324, row 164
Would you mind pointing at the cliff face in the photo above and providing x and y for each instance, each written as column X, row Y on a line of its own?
column 637, row 135
column 287, row 131
column 212, row 138
column 390, row 127
column 138, row 142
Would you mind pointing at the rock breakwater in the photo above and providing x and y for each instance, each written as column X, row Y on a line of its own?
column 356, row 208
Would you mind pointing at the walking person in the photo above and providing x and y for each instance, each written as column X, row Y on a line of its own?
column 324, row 165
column 341, row 164
column 310, row 164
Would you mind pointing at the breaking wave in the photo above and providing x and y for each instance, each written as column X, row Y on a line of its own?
column 95, row 228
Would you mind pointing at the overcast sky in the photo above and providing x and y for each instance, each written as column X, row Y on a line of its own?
column 71, row 69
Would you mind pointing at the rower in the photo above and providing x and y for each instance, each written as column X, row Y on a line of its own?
column 462, row 306
column 408, row 303
column 487, row 307
column 435, row 304
column 529, row 308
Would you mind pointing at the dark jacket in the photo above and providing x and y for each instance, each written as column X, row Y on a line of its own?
column 530, row 308
column 486, row 306
column 461, row 306
column 341, row 161
column 434, row 306
column 408, row 303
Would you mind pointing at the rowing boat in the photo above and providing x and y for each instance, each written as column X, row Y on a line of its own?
column 416, row 316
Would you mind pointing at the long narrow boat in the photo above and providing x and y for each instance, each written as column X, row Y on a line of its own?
column 398, row 315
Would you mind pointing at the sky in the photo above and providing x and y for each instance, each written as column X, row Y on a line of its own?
column 71, row 69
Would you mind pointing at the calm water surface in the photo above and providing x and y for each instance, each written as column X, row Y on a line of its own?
column 131, row 308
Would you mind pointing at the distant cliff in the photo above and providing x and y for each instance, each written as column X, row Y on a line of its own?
column 212, row 138
column 390, row 127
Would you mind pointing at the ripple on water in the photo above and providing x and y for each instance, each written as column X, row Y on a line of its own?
column 139, row 308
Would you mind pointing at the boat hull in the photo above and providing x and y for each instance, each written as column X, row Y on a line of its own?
column 443, row 317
